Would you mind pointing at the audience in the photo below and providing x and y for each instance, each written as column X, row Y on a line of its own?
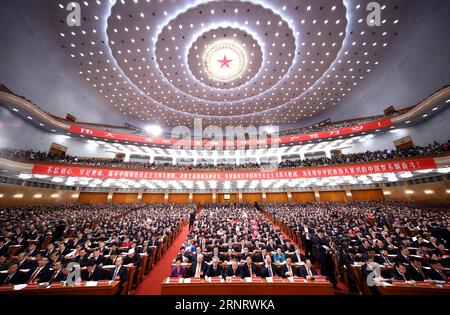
column 95, row 236
column 362, row 157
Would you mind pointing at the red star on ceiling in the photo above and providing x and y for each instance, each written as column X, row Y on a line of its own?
column 225, row 62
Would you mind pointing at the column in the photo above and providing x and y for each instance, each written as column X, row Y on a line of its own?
column 140, row 194
column 127, row 157
column 317, row 195
column 348, row 194
column 302, row 155
column 110, row 196
column 328, row 154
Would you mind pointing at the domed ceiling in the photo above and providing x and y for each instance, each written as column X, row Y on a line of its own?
column 228, row 62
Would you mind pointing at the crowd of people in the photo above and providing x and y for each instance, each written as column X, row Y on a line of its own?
column 368, row 156
column 406, row 242
column 49, row 237
column 397, row 240
column 237, row 240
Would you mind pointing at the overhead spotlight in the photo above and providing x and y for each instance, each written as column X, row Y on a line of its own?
column 154, row 130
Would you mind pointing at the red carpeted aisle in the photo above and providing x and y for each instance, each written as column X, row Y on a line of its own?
column 151, row 285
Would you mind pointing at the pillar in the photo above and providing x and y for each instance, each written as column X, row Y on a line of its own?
column 348, row 194
column 302, row 156
column 317, row 195
column 140, row 194
column 110, row 196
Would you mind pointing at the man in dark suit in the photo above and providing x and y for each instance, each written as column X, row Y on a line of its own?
column 3, row 248
column 271, row 246
column 199, row 267
column 323, row 248
column 82, row 258
column 24, row 262
column 13, row 276
column 268, row 269
column 415, row 269
column 349, row 258
column 92, row 272
column 215, row 253
column 261, row 256
column 57, row 273
column 287, row 270
column 383, row 258
column 234, row 270
column 32, row 250
column 215, row 269
column 307, row 270
column 297, row 256
column 403, row 255
column 288, row 247
column 41, row 273
column 399, row 272
column 97, row 258
column 436, row 271
column 153, row 241
column 245, row 253
column 119, row 273
column 249, row 268
column 132, row 258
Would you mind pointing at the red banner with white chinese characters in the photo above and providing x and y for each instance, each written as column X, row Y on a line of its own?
column 260, row 174
column 353, row 130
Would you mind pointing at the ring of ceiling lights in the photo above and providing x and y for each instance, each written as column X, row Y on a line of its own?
column 224, row 71
column 207, row 52
column 119, row 50
column 226, row 25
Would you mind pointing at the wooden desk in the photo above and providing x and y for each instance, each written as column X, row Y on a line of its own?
column 107, row 289
column 414, row 290
column 248, row 288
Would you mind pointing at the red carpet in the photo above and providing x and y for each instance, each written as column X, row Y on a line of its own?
column 151, row 285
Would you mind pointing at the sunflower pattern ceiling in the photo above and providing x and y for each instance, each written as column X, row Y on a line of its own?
column 228, row 62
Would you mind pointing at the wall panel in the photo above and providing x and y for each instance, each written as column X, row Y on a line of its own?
column 276, row 197
column 153, row 198
column 178, row 198
column 233, row 198
column 124, row 198
column 368, row 194
column 7, row 193
column 252, row 197
column 334, row 196
column 417, row 193
column 202, row 198
column 303, row 196
column 88, row 197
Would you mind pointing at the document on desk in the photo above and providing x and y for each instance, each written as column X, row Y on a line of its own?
column 91, row 283
column 248, row 279
column 269, row 279
column 18, row 287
